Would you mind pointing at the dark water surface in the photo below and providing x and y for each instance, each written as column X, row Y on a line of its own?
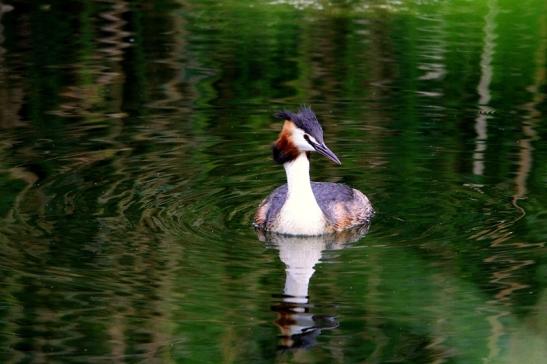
column 135, row 146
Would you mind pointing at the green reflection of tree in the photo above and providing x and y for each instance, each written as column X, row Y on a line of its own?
column 116, row 115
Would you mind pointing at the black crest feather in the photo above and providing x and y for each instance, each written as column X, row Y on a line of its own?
column 305, row 119
column 284, row 115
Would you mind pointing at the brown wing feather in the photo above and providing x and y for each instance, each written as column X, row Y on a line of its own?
column 262, row 212
column 343, row 206
column 349, row 214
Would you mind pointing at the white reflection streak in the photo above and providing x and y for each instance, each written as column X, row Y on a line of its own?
column 530, row 120
column 481, row 126
column 300, row 256
column 434, row 52
column 481, row 122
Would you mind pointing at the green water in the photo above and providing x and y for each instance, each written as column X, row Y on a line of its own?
column 135, row 146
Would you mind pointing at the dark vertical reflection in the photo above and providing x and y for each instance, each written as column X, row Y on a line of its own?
column 11, row 93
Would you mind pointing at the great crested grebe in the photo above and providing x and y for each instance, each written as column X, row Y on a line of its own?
column 302, row 207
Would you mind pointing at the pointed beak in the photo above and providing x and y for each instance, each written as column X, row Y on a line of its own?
column 324, row 150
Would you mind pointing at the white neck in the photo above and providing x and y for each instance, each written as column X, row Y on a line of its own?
column 300, row 214
column 298, row 175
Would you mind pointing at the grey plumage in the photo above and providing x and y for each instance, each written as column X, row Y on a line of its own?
column 337, row 201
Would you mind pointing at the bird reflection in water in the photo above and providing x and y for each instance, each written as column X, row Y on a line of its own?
column 299, row 326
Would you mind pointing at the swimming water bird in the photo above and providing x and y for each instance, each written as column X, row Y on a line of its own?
column 303, row 207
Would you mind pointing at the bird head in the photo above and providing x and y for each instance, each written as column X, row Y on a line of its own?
column 301, row 133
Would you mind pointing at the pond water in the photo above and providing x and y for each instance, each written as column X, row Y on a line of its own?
column 135, row 147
